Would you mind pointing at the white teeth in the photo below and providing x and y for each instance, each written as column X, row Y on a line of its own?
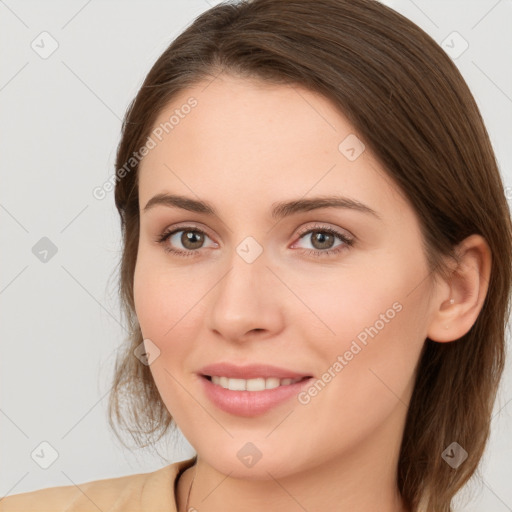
column 257, row 384
column 272, row 383
column 236, row 384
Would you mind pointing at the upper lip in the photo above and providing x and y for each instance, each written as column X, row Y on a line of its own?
column 251, row 371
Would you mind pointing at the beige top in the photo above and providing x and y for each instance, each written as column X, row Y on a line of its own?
column 149, row 492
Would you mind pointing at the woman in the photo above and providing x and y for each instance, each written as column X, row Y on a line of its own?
column 316, row 268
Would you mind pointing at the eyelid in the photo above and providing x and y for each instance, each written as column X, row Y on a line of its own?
column 188, row 226
column 319, row 226
column 303, row 230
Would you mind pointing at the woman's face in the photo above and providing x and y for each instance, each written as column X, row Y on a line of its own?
column 271, row 284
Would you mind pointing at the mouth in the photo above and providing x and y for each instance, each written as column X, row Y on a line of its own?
column 255, row 384
column 250, row 390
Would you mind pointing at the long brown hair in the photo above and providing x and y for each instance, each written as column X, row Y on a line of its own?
column 412, row 108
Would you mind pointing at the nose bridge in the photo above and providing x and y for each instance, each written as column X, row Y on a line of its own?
column 246, row 298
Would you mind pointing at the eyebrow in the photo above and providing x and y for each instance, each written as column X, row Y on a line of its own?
column 279, row 210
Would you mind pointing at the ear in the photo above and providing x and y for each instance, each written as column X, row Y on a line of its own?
column 466, row 287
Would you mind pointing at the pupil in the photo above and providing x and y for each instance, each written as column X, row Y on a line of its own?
column 325, row 240
column 187, row 239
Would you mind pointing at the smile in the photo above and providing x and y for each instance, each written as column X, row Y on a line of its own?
column 256, row 384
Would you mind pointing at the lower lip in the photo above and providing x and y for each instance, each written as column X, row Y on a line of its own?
column 250, row 403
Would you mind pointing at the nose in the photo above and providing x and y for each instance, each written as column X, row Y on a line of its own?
column 247, row 302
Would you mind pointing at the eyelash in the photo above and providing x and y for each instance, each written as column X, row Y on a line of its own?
column 348, row 242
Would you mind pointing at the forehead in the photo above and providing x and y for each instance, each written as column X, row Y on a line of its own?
column 259, row 118
column 258, row 140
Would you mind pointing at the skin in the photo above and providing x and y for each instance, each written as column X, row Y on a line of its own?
column 246, row 145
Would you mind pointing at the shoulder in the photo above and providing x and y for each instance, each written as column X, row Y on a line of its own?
column 142, row 491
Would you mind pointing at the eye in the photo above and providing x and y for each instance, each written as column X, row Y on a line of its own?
column 191, row 239
column 323, row 240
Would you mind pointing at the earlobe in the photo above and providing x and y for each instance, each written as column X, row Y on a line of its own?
column 457, row 310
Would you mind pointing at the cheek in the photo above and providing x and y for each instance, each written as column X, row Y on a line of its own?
column 338, row 304
column 376, row 318
column 169, row 305
column 363, row 384
column 161, row 297
column 168, row 318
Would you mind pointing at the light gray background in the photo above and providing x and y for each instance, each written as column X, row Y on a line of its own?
column 60, row 121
